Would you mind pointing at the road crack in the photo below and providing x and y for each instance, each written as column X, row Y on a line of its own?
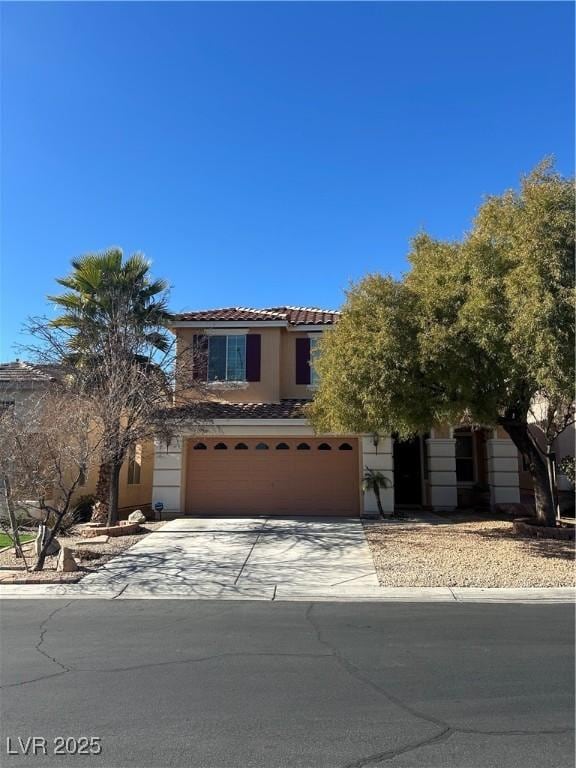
column 43, row 629
column 175, row 662
column 357, row 673
column 446, row 730
column 381, row 757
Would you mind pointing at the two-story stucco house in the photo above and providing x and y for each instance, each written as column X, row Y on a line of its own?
column 258, row 454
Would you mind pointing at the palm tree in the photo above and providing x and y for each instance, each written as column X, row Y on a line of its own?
column 111, row 298
column 373, row 480
column 100, row 289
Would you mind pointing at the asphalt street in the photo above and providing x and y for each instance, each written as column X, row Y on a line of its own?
column 243, row 684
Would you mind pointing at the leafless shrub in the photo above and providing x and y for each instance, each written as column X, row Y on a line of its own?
column 45, row 449
column 131, row 386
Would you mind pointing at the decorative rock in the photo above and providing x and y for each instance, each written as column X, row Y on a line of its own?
column 66, row 562
column 137, row 516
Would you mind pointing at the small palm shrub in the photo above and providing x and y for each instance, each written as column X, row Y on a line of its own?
column 373, row 480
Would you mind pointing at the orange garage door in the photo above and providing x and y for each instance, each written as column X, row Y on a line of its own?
column 272, row 476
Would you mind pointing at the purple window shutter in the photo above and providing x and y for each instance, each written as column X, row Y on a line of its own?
column 302, row 361
column 200, row 357
column 253, row 346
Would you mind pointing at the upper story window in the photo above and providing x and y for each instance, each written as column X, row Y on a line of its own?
column 223, row 357
column 227, row 358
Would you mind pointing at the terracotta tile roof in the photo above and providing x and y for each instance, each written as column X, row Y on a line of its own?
column 18, row 372
column 207, row 410
column 291, row 315
column 308, row 315
column 230, row 314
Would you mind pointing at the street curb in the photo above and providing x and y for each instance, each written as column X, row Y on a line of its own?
column 535, row 595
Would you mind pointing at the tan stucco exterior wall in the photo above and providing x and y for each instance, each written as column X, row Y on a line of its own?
column 140, row 494
column 267, row 390
column 278, row 368
column 135, row 495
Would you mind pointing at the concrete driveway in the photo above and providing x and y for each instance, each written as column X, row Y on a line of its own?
column 251, row 557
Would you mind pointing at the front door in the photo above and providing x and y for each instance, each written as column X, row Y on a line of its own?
column 407, row 472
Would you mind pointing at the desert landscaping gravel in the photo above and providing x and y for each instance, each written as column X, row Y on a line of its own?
column 466, row 553
column 89, row 556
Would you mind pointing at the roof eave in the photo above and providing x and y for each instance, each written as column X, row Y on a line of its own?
column 310, row 327
column 227, row 323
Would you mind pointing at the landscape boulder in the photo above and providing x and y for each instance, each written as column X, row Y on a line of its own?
column 137, row 516
column 66, row 562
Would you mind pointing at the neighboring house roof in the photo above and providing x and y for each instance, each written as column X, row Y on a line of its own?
column 285, row 409
column 291, row 315
column 19, row 372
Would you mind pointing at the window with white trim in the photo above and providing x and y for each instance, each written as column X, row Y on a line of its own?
column 227, row 358
column 134, row 465
column 314, row 378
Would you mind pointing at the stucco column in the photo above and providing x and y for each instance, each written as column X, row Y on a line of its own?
column 378, row 457
column 167, row 478
column 503, row 479
column 442, row 473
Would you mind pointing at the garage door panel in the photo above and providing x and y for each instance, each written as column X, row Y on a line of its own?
column 291, row 481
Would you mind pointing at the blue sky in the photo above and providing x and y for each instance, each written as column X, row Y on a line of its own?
column 265, row 153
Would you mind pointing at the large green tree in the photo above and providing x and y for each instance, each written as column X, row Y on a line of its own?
column 112, row 323
column 479, row 330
